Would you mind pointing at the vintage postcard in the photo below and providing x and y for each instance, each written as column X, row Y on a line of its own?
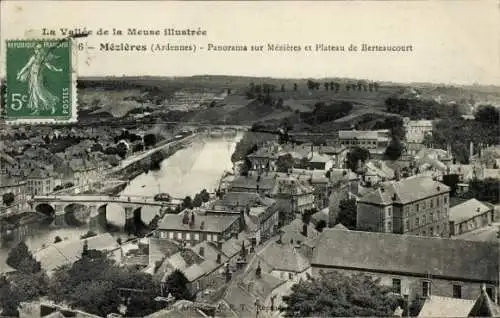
column 249, row 159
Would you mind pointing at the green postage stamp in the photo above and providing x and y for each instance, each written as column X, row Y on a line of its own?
column 41, row 81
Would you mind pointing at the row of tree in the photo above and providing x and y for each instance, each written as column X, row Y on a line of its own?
column 265, row 88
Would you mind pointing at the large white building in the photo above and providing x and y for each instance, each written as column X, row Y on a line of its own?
column 416, row 130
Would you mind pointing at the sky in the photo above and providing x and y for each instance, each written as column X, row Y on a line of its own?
column 454, row 42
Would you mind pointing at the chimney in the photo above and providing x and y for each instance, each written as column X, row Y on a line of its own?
column 219, row 258
column 191, row 224
column 202, row 251
column 185, row 217
column 304, row 229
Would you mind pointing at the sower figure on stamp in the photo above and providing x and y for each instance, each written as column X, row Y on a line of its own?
column 39, row 96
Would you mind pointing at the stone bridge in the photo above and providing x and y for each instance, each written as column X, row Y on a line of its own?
column 58, row 206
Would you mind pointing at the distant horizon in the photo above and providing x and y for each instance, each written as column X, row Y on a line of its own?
column 450, row 84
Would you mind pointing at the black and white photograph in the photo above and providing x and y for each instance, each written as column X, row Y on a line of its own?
column 249, row 159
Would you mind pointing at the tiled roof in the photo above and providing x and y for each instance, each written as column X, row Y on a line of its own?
column 437, row 306
column 244, row 199
column 340, row 226
column 361, row 134
column 405, row 191
column 212, row 223
column 284, row 257
column 210, row 252
column 467, row 210
column 290, row 185
column 265, row 183
column 67, row 252
column 409, row 254
column 318, row 157
column 232, row 246
column 484, row 234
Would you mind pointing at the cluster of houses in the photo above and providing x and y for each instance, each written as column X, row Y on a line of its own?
column 244, row 250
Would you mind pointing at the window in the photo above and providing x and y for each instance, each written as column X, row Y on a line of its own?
column 424, row 219
column 417, row 222
column 437, row 202
column 445, row 199
column 432, row 217
column 290, row 276
column 457, row 291
column 163, row 234
column 171, row 235
column 209, row 237
column 188, row 236
column 426, row 288
column 389, row 211
column 197, row 236
column 489, row 291
column 407, row 225
column 179, row 235
column 215, row 237
column 431, row 231
column 406, row 210
column 418, row 207
column 432, row 203
column 389, row 226
column 396, row 285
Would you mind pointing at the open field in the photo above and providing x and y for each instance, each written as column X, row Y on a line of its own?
column 120, row 97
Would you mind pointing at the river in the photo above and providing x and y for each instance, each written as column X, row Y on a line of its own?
column 186, row 172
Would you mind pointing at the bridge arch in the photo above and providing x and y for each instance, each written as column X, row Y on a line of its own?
column 76, row 214
column 46, row 208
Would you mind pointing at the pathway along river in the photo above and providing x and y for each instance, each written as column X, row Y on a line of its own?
column 186, row 172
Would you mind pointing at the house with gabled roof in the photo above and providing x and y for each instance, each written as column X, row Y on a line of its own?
column 469, row 216
column 416, row 205
column 415, row 266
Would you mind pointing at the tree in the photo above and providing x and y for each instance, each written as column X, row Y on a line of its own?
column 485, row 190
column 96, row 285
column 347, row 213
column 337, row 295
column 122, row 149
column 394, row 150
column 97, row 147
column 205, row 196
column 149, row 140
column 451, row 180
column 21, row 259
column 488, row 114
column 197, row 201
column 8, row 198
column 187, row 203
column 355, row 155
column 177, row 285
column 284, row 163
column 321, row 225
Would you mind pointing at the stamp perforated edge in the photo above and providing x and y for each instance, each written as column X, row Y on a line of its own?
column 73, row 89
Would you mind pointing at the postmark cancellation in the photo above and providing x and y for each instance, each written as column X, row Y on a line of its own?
column 40, row 81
